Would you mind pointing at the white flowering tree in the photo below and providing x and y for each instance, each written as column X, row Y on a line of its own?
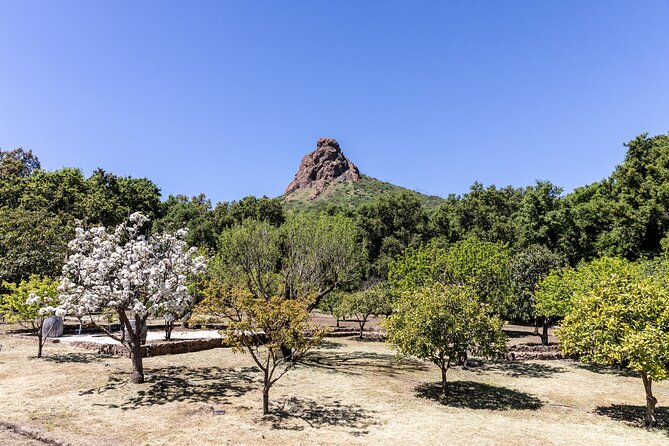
column 132, row 274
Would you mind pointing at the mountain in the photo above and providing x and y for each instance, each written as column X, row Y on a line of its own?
column 326, row 177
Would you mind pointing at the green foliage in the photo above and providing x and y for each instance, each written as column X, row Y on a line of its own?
column 15, row 305
column 555, row 294
column 29, row 303
column 17, row 163
column 538, row 221
column 194, row 214
column 444, row 323
column 483, row 266
column 485, row 213
column 350, row 195
column 269, row 327
column 418, row 267
column 308, row 256
column 621, row 318
column 530, row 266
column 374, row 300
column 389, row 225
column 31, row 242
column 263, row 209
column 615, row 308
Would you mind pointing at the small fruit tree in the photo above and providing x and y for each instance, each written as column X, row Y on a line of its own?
column 442, row 323
column 30, row 302
column 360, row 305
column 130, row 273
column 621, row 318
column 266, row 328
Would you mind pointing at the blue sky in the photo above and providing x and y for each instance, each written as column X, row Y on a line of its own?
column 226, row 97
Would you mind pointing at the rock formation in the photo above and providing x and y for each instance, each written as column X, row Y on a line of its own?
column 322, row 167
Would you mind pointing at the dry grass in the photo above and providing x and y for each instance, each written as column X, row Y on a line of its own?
column 348, row 392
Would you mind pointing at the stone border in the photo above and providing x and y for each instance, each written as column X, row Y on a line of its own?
column 154, row 349
column 32, row 434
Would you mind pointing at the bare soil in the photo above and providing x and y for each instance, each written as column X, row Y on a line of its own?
column 347, row 392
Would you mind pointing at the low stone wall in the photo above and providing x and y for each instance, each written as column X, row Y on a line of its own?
column 155, row 348
column 524, row 352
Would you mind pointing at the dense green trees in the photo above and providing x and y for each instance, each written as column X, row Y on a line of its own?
column 389, row 225
column 307, row 257
column 483, row 266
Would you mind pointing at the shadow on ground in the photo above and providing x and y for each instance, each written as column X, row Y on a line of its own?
column 519, row 369
column 213, row 385
column 473, row 395
column 362, row 363
column 634, row 415
column 317, row 415
column 76, row 358
column 329, row 345
column 604, row 370
column 510, row 333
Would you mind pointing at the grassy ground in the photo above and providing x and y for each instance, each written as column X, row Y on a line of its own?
column 348, row 392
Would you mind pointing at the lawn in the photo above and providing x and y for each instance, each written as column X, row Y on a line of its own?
column 347, row 392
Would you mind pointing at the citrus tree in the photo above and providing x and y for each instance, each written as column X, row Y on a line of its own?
column 621, row 318
column 30, row 303
column 442, row 323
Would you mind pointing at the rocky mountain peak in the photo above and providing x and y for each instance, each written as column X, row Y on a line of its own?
column 322, row 167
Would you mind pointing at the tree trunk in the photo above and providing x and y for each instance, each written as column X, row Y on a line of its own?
column 444, row 388
column 544, row 330
column 651, row 401
column 169, row 326
column 40, row 344
column 265, row 401
column 362, row 326
column 137, row 364
column 134, row 344
column 536, row 325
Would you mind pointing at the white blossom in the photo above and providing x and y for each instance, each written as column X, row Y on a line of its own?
column 128, row 271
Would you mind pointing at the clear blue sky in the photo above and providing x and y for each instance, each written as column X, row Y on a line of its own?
column 226, row 97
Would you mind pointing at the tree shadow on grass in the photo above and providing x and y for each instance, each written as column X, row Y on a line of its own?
column 605, row 370
column 473, row 395
column 76, row 358
column 634, row 415
column 362, row 363
column 520, row 369
column 321, row 414
column 329, row 345
column 212, row 385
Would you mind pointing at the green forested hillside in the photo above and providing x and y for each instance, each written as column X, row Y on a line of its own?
column 351, row 194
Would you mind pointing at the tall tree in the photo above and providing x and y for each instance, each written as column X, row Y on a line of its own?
column 389, row 225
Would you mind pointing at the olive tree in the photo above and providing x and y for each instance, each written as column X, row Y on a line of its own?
column 308, row 257
column 621, row 318
column 442, row 323
column 268, row 326
column 128, row 272
column 30, row 303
